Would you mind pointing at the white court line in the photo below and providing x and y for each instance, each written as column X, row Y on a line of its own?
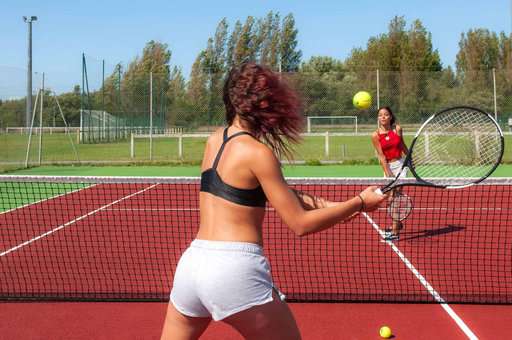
column 62, row 226
column 425, row 283
column 272, row 209
column 456, row 209
column 47, row 199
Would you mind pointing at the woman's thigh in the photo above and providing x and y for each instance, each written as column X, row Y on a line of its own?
column 273, row 320
column 181, row 327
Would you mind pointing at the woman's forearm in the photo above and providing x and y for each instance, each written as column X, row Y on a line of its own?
column 310, row 202
column 320, row 219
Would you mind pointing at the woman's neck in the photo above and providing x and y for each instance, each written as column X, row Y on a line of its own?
column 240, row 125
column 385, row 128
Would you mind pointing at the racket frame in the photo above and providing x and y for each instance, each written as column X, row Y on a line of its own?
column 421, row 182
column 397, row 196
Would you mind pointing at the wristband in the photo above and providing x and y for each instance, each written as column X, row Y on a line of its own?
column 362, row 203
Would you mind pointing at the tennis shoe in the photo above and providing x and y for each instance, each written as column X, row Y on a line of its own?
column 389, row 236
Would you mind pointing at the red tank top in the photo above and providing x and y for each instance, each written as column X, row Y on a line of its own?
column 391, row 144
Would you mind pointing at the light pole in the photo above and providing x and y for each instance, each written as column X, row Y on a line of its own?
column 28, row 115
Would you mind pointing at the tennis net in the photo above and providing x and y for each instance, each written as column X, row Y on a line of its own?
column 119, row 239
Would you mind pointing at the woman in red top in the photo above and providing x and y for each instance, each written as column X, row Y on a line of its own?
column 391, row 149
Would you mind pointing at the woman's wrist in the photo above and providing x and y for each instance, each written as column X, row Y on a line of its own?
column 361, row 203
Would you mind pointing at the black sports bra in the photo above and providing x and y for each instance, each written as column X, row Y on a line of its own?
column 212, row 183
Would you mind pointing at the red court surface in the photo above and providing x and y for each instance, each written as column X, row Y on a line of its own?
column 123, row 241
column 316, row 321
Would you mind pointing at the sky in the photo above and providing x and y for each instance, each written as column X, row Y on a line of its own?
column 117, row 31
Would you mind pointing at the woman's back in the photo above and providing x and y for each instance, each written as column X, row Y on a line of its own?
column 222, row 218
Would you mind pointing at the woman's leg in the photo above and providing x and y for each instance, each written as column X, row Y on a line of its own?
column 181, row 327
column 273, row 320
column 397, row 225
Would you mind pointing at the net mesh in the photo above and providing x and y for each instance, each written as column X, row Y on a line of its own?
column 458, row 143
column 400, row 206
column 120, row 238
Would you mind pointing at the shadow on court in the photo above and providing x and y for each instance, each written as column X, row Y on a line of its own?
column 430, row 233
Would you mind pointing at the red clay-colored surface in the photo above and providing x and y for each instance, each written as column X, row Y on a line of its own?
column 316, row 321
column 112, row 244
column 123, row 241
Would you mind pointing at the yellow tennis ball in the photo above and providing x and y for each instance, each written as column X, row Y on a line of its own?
column 385, row 332
column 362, row 100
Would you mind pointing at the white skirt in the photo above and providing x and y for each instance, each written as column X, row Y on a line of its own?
column 396, row 166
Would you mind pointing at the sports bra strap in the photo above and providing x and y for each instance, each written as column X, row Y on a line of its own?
column 225, row 140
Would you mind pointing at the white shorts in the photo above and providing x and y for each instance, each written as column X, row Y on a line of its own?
column 217, row 279
column 396, row 166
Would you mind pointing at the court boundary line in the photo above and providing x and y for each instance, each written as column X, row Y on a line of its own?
column 437, row 297
column 64, row 225
column 46, row 199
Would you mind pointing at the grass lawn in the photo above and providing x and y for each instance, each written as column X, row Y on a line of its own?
column 58, row 148
column 504, row 170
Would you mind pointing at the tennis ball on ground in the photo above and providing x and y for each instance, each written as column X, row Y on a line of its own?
column 385, row 332
column 362, row 100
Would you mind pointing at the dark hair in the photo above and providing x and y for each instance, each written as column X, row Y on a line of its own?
column 263, row 100
column 393, row 118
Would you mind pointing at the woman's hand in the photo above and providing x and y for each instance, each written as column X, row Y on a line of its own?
column 371, row 199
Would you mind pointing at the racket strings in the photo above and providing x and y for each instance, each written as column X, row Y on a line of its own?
column 400, row 207
column 457, row 143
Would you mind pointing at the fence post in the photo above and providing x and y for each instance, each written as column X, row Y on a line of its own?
column 132, row 147
column 378, row 90
column 327, row 144
column 495, row 100
column 40, row 149
column 180, row 146
column 343, row 151
column 150, row 116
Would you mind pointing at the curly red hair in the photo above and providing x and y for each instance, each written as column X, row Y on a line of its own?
column 263, row 100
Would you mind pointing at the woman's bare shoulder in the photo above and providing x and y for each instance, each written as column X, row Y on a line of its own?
column 215, row 135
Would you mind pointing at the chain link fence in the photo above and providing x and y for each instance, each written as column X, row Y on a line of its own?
column 122, row 114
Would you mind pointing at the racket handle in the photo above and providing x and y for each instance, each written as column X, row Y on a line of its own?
column 378, row 191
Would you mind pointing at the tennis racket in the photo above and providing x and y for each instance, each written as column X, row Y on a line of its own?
column 400, row 207
column 455, row 148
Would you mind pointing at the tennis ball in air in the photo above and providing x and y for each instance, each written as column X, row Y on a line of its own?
column 385, row 332
column 362, row 100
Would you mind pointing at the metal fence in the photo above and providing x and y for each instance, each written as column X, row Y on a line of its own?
column 143, row 99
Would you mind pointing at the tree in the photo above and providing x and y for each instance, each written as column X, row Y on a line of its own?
column 246, row 47
column 268, row 37
column 197, row 91
column 232, row 42
column 214, row 65
column 289, row 55
column 135, row 83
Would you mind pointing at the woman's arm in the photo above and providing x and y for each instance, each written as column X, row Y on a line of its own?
column 382, row 159
column 310, row 202
column 296, row 212
column 399, row 131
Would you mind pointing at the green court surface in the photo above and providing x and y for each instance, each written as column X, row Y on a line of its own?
column 504, row 170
